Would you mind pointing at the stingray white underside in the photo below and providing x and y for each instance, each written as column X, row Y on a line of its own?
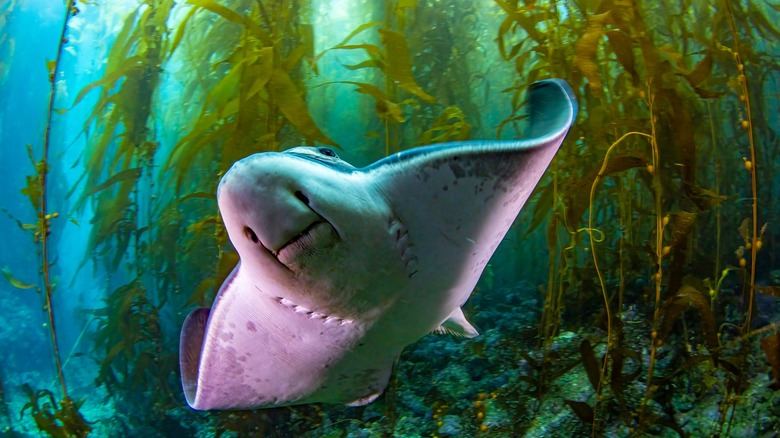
column 342, row 267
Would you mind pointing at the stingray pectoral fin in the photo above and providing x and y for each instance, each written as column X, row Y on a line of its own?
column 261, row 350
column 457, row 200
column 371, row 380
column 457, row 325
column 553, row 109
column 471, row 191
column 190, row 347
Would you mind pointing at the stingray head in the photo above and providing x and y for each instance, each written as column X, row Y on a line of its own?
column 272, row 214
column 297, row 216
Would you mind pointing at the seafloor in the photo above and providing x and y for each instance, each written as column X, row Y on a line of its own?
column 442, row 386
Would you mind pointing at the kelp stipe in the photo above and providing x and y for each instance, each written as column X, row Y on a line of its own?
column 56, row 418
column 752, row 238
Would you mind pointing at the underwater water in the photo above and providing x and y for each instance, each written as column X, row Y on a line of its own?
column 636, row 294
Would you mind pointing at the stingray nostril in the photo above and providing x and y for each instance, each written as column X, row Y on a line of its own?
column 251, row 234
column 299, row 194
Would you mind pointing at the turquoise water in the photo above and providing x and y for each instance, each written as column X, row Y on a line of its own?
column 644, row 223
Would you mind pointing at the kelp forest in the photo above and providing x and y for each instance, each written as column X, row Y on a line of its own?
column 637, row 294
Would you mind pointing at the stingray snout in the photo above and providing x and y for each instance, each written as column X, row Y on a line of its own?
column 263, row 202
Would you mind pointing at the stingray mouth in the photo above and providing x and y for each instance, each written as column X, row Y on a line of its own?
column 310, row 242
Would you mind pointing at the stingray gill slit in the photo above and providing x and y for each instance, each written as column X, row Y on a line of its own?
column 404, row 245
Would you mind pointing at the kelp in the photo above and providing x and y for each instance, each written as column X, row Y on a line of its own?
column 15, row 282
column 119, row 145
column 645, row 76
column 618, row 383
column 675, row 306
column 771, row 347
column 385, row 109
column 121, row 149
column 129, row 338
column 451, row 125
column 392, row 58
column 63, row 418
column 629, row 208
column 58, row 420
column 292, row 105
column 258, row 97
column 254, row 104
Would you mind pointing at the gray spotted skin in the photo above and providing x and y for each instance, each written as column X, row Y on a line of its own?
column 341, row 268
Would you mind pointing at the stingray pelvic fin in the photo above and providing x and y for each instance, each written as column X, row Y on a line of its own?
column 457, row 325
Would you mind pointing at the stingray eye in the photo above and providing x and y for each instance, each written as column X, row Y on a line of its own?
column 328, row 152
column 251, row 234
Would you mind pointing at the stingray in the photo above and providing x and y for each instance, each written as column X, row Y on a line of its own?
column 342, row 267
